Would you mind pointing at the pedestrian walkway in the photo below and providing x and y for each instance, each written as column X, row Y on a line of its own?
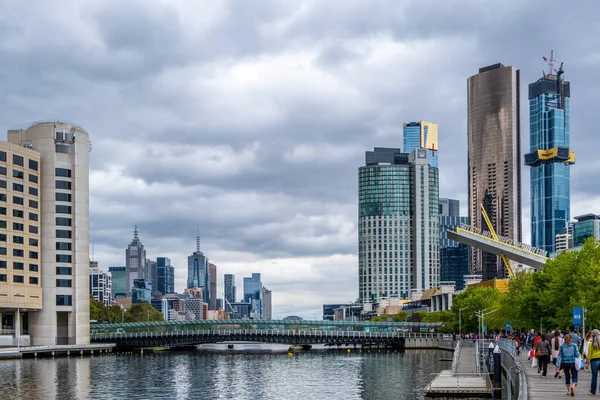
column 551, row 388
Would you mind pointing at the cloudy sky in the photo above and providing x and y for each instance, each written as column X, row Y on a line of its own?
column 249, row 119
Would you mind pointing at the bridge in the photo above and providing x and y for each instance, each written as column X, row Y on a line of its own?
column 519, row 254
column 189, row 333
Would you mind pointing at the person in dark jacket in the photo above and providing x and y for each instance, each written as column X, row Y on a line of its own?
column 543, row 346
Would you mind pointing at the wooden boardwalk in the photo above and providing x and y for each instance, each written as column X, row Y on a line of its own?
column 550, row 388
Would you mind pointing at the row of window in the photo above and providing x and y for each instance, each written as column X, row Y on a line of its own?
column 19, row 240
column 20, row 161
column 19, row 266
column 19, row 214
column 33, row 280
column 20, row 253
column 19, row 227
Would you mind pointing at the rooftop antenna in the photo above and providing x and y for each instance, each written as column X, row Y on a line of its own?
column 198, row 240
column 135, row 233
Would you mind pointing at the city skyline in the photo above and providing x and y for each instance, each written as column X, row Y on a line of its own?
column 257, row 136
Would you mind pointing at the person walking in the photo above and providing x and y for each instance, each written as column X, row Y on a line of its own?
column 556, row 342
column 593, row 358
column 542, row 352
column 566, row 361
column 586, row 345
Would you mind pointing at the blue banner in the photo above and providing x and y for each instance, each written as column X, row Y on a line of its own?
column 577, row 316
column 507, row 326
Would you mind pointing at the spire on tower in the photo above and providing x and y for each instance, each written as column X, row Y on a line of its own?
column 198, row 240
column 135, row 233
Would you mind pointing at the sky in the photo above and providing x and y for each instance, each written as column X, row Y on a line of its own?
column 248, row 120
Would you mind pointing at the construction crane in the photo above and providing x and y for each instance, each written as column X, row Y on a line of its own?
column 511, row 273
column 550, row 62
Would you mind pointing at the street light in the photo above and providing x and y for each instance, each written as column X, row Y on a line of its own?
column 148, row 311
column 481, row 315
column 460, row 310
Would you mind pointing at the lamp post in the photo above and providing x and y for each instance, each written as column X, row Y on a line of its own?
column 148, row 312
column 460, row 310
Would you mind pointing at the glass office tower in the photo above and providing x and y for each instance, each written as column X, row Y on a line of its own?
column 549, row 158
column 398, row 224
column 422, row 135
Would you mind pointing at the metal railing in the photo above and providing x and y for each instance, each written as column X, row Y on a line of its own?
column 509, row 346
column 456, row 357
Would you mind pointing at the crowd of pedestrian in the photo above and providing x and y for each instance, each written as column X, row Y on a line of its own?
column 566, row 351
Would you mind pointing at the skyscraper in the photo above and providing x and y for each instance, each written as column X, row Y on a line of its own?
column 100, row 284
column 135, row 261
column 267, row 304
column 549, row 158
column 164, row 276
column 64, row 193
column 454, row 256
column 150, row 272
column 422, row 135
column 398, row 224
column 230, row 290
column 212, row 303
column 493, row 158
column 199, row 272
column 253, row 294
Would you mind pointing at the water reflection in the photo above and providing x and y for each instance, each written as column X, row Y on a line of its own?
column 171, row 375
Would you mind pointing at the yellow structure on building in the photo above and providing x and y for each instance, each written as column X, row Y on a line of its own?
column 500, row 284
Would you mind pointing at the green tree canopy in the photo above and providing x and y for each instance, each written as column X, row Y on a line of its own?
column 143, row 312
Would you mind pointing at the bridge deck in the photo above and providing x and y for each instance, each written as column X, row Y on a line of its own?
column 552, row 388
column 465, row 380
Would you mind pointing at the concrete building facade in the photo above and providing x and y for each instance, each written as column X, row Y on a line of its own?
column 100, row 284
column 494, row 170
column 21, row 293
column 212, row 303
column 267, row 304
column 64, row 198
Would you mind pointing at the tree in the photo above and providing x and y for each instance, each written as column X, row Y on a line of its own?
column 143, row 312
column 474, row 299
column 96, row 309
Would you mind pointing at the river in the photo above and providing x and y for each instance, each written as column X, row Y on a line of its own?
column 245, row 374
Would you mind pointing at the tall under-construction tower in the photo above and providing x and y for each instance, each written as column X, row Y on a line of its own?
column 549, row 156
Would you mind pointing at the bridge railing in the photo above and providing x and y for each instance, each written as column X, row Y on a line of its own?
column 254, row 332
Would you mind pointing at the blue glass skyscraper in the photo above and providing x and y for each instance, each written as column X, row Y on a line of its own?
column 422, row 135
column 549, row 158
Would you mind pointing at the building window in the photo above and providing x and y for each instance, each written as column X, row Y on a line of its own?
column 62, row 258
column 2, row 237
column 63, row 234
column 2, row 277
column 33, row 165
column 33, row 204
column 18, row 279
column 17, row 174
column 17, row 160
column 63, row 271
column 17, row 187
column 18, row 213
column 33, row 242
column 33, row 255
column 2, row 210
column 3, row 156
column 2, row 170
column 33, row 229
column 17, row 226
column 19, row 266
column 3, row 224
column 2, row 184
column 33, row 191
column 33, row 267
column 63, row 221
column 63, row 209
column 3, row 251
column 63, row 246
column 62, row 172
column 33, row 280
column 2, row 197
column 63, row 148
column 63, row 185
column 18, row 200
column 33, row 178
column 63, row 283
column 18, row 239
column 3, row 264
column 63, row 197
column 33, row 216
column 64, row 300
column 18, row 253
